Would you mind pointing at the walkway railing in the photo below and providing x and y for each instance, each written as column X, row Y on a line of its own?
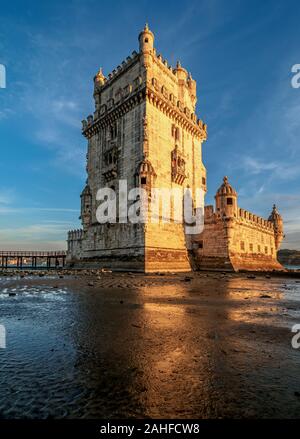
column 41, row 254
column 50, row 259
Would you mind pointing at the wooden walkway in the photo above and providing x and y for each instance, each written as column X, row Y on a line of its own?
column 37, row 258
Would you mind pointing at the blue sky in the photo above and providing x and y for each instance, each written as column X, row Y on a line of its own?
column 240, row 53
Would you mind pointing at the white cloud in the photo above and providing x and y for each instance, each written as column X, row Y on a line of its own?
column 279, row 170
column 46, row 236
column 20, row 210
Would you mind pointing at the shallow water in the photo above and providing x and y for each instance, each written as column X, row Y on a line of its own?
column 149, row 346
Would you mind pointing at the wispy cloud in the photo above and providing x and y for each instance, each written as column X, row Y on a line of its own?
column 20, row 210
column 5, row 113
column 35, row 236
column 279, row 170
column 7, row 196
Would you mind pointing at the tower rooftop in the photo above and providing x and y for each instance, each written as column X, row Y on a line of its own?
column 226, row 188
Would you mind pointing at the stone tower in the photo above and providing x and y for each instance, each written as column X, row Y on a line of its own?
column 144, row 131
column 277, row 221
column 226, row 200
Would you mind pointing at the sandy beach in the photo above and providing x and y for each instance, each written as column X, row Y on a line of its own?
column 109, row 345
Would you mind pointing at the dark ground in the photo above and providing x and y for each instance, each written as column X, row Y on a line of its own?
column 128, row 345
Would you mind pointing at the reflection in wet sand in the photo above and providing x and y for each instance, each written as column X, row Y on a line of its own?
column 149, row 346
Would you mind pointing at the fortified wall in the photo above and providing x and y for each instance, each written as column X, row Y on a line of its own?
column 236, row 239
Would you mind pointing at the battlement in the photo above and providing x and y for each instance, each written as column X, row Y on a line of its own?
column 246, row 216
column 75, row 235
column 208, row 211
column 125, row 64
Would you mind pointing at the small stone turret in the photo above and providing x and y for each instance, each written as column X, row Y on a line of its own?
column 193, row 89
column 182, row 74
column 226, row 200
column 146, row 40
column 277, row 221
column 99, row 81
column 86, row 208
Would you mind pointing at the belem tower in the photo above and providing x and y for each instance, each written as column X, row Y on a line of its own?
column 144, row 130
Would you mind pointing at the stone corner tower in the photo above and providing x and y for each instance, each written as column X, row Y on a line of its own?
column 144, row 130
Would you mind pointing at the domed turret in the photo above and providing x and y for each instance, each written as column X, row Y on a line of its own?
column 86, row 206
column 182, row 74
column 145, row 168
column 277, row 221
column 226, row 199
column 193, row 89
column 99, row 79
column 146, row 39
column 145, row 175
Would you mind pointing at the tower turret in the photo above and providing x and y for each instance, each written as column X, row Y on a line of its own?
column 193, row 89
column 99, row 81
column 146, row 40
column 86, row 207
column 277, row 221
column 182, row 74
column 226, row 199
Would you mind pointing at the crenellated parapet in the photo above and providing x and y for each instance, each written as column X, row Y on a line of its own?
column 112, row 112
column 250, row 218
column 177, row 112
column 75, row 235
column 119, row 71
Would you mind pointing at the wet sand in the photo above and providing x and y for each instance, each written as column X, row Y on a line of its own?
column 202, row 345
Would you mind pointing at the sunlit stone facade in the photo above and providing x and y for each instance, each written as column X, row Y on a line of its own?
column 144, row 130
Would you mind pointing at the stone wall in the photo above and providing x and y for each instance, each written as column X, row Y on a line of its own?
column 243, row 243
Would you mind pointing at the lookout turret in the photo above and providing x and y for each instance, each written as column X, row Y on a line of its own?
column 277, row 221
column 146, row 39
column 226, row 199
